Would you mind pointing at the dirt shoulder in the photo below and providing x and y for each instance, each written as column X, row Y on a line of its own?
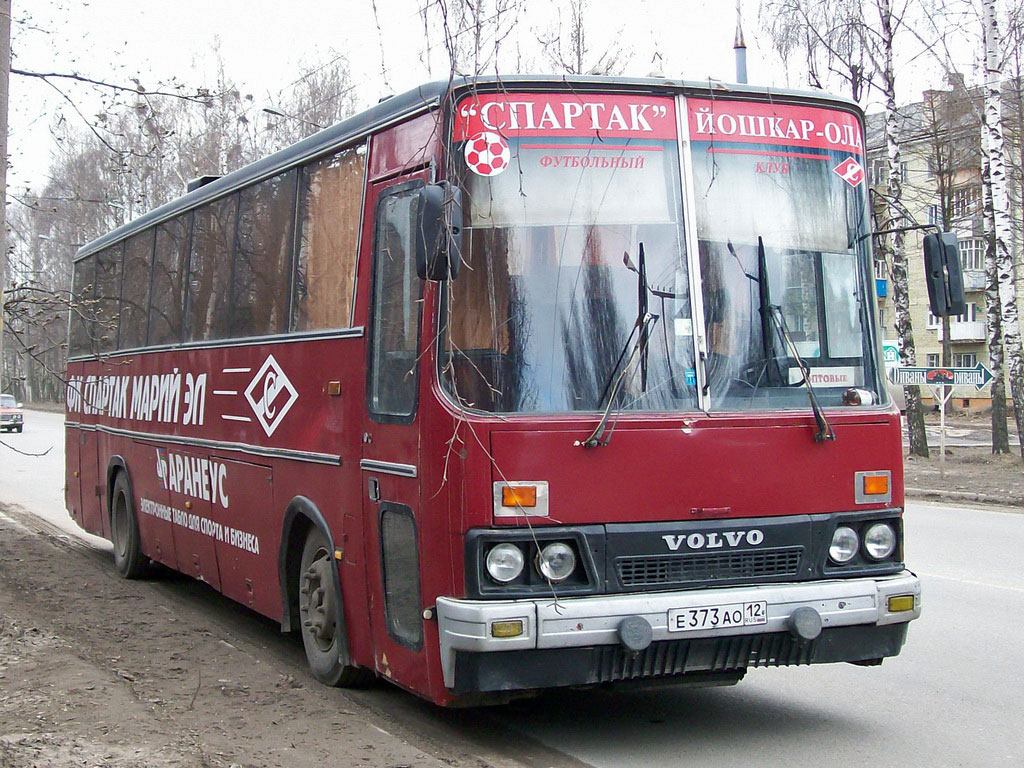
column 970, row 472
column 97, row 671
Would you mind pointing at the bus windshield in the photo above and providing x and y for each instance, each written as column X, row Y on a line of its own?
column 781, row 227
column 575, row 287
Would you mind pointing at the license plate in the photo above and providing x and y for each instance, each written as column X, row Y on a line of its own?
column 717, row 616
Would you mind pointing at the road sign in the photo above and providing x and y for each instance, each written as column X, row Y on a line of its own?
column 890, row 353
column 978, row 376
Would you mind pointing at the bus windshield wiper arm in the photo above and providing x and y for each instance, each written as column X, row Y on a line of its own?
column 764, row 307
column 825, row 431
column 774, row 312
column 642, row 326
column 614, row 383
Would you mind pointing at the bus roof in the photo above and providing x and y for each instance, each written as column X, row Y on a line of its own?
column 422, row 98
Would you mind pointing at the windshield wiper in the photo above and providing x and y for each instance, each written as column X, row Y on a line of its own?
column 771, row 366
column 642, row 306
column 642, row 327
column 773, row 312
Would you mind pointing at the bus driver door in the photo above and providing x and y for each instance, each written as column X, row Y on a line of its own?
column 390, row 450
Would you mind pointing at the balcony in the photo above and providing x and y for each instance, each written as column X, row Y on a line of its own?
column 974, row 280
column 970, row 331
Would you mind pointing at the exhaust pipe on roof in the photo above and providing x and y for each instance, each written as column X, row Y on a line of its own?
column 741, row 49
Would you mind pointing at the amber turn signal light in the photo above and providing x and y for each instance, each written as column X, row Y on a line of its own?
column 519, row 496
column 507, row 628
column 901, row 603
column 876, row 485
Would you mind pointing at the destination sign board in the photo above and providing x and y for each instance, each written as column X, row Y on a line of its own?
column 978, row 376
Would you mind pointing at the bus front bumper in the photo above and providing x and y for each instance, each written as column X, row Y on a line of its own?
column 577, row 641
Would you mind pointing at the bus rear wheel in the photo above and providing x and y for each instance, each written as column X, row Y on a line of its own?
column 124, row 531
column 319, row 601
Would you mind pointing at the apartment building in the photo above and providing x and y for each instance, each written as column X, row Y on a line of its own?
column 940, row 143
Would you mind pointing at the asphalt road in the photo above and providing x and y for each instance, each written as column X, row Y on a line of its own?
column 953, row 698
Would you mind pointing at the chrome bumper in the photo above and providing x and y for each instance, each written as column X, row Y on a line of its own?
column 464, row 625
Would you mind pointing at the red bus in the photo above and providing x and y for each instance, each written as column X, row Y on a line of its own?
column 512, row 384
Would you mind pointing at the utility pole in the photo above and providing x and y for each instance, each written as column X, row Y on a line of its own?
column 5, row 76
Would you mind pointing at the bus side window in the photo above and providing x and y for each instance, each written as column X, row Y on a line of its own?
column 168, row 266
column 395, row 319
column 138, row 253
column 108, row 294
column 263, row 254
column 330, row 197
column 209, row 272
column 82, row 307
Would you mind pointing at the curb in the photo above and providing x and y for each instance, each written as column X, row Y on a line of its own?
column 984, row 498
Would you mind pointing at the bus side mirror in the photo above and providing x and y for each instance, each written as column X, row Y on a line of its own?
column 943, row 276
column 438, row 232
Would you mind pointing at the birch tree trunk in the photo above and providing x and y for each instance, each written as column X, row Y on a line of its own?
column 900, row 291
column 1002, row 227
column 993, row 320
column 5, row 71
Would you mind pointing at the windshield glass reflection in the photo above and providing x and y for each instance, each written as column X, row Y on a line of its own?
column 545, row 304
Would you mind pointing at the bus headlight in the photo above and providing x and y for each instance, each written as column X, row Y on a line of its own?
column 556, row 561
column 844, row 545
column 880, row 541
column 505, row 563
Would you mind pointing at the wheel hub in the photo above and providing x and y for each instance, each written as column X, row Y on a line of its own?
column 319, row 604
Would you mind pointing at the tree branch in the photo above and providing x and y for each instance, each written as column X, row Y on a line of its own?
column 200, row 97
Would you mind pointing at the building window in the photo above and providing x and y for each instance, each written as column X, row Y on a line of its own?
column 933, row 360
column 933, row 321
column 965, row 201
column 934, row 214
column 972, row 253
column 969, row 316
column 878, row 171
column 881, row 269
column 965, row 359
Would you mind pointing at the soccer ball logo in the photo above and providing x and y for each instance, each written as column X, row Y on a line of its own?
column 487, row 154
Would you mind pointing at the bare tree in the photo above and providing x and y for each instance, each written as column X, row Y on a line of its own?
column 958, row 19
column 993, row 315
column 949, row 129
column 566, row 46
column 472, row 31
column 5, row 66
column 828, row 35
column 995, row 151
column 138, row 154
column 323, row 94
column 855, row 41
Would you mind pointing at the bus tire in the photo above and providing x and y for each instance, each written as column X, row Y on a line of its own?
column 124, row 531
column 318, row 603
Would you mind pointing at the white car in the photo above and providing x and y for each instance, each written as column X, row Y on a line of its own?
column 12, row 419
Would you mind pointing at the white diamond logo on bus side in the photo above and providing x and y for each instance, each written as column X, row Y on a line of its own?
column 271, row 395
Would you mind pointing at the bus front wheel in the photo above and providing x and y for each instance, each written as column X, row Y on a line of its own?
column 318, row 610
column 124, row 531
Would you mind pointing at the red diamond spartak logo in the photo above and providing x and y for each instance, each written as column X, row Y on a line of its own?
column 850, row 171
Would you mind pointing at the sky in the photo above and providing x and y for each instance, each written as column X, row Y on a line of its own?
column 265, row 44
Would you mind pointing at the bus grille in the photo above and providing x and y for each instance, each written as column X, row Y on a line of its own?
column 716, row 654
column 659, row 570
